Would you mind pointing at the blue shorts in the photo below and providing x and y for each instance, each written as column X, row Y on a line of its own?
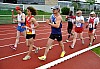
column 19, row 28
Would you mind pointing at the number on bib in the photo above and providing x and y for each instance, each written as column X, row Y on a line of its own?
column 78, row 24
column 90, row 25
column 69, row 19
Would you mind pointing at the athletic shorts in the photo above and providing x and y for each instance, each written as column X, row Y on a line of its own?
column 56, row 36
column 19, row 28
column 28, row 36
column 79, row 29
column 92, row 31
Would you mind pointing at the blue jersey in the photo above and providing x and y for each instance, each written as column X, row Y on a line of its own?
column 53, row 29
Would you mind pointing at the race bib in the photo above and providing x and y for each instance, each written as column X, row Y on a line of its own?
column 19, row 24
column 78, row 24
column 90, row 25
column 69, row 20
column 27, row 30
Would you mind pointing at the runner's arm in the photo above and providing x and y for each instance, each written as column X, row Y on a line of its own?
column 33, row 21
column 13, row 14
column 58, row 20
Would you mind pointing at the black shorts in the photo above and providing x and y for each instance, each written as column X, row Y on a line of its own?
column 56, row 36
column 70, row 25
column 28, row 36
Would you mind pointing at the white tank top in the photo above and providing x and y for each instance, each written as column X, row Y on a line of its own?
column 19, row 18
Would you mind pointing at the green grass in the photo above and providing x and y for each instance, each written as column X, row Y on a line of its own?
column 8, row 19
column 5, row 19
column 97, row 50
column 43, row 13
column 8, row 12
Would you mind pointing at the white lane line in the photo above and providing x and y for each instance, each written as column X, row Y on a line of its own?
column 21, row 42
column 15, row 30
column 60, row 60
column 24, row 52
column 35, row 40
column 36, row 30
column 24, row 42
column 40, row 34
column 33, row 50
column 36, row 34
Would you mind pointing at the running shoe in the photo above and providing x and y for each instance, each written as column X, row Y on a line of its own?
column 62, row 54
column 26, row 57
column 51, row 47
column 42, row 58
column 72, row 47
column 83, row 42
column 90, row 44
column 12, row 47
column 67, row 40
column 36, row 50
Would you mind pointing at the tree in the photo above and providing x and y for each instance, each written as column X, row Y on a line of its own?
column 76, row 4
column 91, row 2
column 65, row 10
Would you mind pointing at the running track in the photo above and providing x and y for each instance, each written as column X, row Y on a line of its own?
column 10, row 59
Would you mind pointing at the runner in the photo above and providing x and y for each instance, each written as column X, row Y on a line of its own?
column 97, row 22
column 56, row 24
column 92, row 24
column 70, row 18
column 31, row 26
column 21, row 22
column 78, row 28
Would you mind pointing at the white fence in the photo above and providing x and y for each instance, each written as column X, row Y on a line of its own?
column 5, row 19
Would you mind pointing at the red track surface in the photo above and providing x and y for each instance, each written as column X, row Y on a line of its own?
column 88, row 60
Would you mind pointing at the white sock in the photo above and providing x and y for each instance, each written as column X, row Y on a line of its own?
column 15, row 45
column 72, row 46
column 91, row 43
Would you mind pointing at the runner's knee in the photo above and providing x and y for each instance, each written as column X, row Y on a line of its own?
column 17, row 37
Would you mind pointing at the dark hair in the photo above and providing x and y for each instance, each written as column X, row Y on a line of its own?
column 32, row 10
column 70, row 13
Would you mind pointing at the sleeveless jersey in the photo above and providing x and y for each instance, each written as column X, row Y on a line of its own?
column 91, row 22
column 71, row 18
column 19, row 18
column 29, row 25
column 78, row 24
column 53, row 29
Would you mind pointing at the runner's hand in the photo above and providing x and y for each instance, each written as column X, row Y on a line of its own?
column 23, row 26
column 12, row 10
column 47, row 21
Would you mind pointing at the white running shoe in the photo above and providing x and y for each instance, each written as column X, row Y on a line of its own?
column 13, row 47
column 67, row 40
column 51, row 47
column 83, row 42
column 26, row 57
column 72, row 47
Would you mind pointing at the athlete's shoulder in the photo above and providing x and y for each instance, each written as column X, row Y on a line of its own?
column 82, row 16
column 60, row 17
column 32, row 18
column 73, row 16
column 23, row 14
